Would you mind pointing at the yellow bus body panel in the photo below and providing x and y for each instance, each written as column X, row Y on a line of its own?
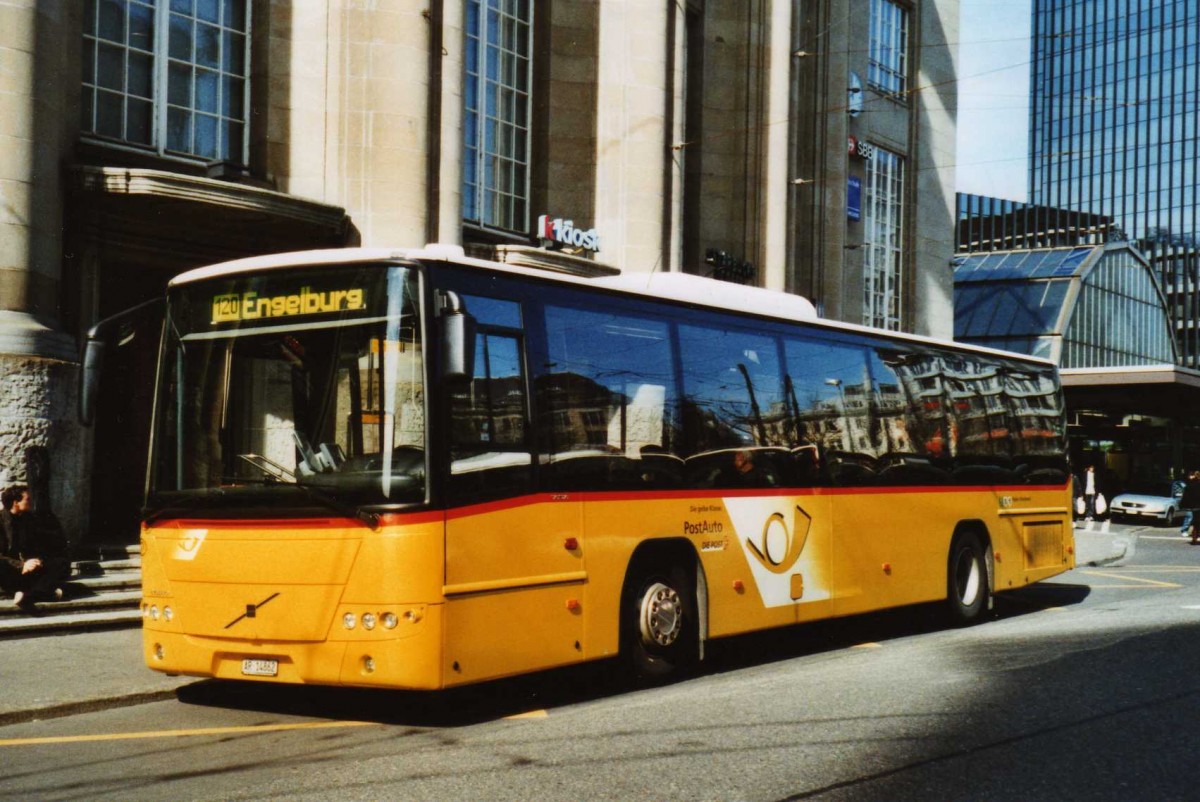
column 534, row 583
column 282, row 592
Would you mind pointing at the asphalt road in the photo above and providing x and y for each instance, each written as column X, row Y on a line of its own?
column 1081, row 688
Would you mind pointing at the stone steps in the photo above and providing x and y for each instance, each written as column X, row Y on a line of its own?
column 104, row 592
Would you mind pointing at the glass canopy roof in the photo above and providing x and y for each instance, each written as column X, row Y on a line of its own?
column 1096, row 306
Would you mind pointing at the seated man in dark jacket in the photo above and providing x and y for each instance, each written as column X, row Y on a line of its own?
column 35, row 562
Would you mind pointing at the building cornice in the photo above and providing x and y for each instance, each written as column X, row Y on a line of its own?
column 127, row 181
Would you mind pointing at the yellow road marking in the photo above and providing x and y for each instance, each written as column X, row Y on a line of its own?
column 128, row 736
column 530, row 714
column 1128, row 578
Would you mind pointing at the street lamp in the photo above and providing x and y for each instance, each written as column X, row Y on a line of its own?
column 845, row 413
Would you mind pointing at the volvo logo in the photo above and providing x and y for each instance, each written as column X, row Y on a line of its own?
column 251, row 611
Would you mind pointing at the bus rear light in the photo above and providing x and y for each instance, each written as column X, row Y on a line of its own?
column 573, row 604
column 998, row 557
column 739, row 585
column 887, row 568
column 571, row 543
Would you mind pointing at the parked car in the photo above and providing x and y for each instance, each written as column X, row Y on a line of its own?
column 1156, row 501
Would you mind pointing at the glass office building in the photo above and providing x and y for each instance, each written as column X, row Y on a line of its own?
column 1113, row 131
column 996, row 224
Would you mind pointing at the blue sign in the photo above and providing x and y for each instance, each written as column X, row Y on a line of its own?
column 854, row 198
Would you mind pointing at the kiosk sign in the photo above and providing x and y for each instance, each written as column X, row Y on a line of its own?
column 564, row 232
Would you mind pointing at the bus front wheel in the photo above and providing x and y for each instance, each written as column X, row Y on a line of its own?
column 967, row 580
column 660, row 623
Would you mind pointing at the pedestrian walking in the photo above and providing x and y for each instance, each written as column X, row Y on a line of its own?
column 1190, row 503
column 1089, row 492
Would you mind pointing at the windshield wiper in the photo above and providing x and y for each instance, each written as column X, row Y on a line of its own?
column 368, row 517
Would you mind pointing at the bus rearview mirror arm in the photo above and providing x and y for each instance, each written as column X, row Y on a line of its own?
column 456, row 329
column 95, row 345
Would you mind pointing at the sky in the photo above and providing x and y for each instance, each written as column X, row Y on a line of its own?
column 993, row 99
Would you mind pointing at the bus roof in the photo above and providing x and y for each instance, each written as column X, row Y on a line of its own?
column 677, row 287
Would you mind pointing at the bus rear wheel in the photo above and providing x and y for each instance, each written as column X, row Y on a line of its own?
column 659, row 624
column 967, row 589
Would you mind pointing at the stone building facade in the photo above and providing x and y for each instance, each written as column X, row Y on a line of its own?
column 806, row 147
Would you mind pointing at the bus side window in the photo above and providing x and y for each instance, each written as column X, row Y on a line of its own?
column 738, row 422
column 829, row 397
column 489, row 451
column 606, row 403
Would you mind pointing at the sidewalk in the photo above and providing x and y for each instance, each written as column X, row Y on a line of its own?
column 1097, row 543
column 61, row 675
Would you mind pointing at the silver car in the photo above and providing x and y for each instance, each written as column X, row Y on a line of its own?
column 1157, row 501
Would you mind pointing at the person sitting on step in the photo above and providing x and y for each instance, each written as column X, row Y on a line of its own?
column 34, row 563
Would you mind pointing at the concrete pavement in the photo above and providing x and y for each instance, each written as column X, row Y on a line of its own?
column 1103, row 543
column 61, row 675
column 74, row 672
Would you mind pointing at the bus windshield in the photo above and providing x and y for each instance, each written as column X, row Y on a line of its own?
column 291, row 389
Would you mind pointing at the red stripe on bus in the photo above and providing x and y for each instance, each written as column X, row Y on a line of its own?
column 668, row 495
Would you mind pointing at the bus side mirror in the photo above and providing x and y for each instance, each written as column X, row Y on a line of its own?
column 121, row 327
column 456, row 329
column 91, row 366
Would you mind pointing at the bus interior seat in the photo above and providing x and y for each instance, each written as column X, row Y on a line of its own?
column 333, row 455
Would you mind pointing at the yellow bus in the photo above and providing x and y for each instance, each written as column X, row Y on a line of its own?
column 416, row 469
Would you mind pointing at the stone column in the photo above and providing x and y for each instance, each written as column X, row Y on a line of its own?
column 39, row 101
column 632, row 135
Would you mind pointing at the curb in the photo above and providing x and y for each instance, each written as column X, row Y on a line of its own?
column 84, row 706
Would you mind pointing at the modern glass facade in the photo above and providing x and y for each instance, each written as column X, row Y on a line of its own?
column 1114, row 130
column 996, row 224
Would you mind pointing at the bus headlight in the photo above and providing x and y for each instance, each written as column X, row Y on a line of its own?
column 368, row 620
column 390, row 620
column 168, row 614
column 349, row 620
column 154, row 612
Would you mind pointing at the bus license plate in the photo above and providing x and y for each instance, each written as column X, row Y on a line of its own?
column 260, row 668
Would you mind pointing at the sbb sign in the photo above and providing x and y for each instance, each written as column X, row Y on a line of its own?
column 864, row 150
column 564, row 232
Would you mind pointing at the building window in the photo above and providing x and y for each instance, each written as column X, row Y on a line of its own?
column 496, row 119
column 887, row 70
column 168, row 75
column 883, row 240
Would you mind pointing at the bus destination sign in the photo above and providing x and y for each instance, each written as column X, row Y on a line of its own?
column 250, row 306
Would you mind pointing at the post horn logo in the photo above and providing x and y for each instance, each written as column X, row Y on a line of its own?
column 778, row 547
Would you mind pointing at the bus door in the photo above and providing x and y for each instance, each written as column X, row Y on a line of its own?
column 514, row 559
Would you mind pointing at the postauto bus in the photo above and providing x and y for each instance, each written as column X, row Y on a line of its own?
column 415, row 469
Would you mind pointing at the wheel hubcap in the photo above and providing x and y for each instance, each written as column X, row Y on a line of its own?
column 661, row 615
column 968, row 578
